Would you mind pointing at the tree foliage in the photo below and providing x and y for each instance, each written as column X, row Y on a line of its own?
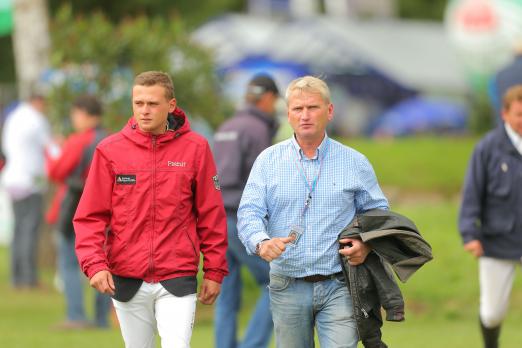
column 7, row 71
column 421, row 9
column 193, row 12
column 91, row 54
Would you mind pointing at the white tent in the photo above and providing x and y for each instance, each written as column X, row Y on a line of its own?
column 413, row 53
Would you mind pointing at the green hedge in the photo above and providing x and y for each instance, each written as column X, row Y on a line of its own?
column 92, row 54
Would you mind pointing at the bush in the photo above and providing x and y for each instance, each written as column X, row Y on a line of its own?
column 92, row 55
column 482, row 118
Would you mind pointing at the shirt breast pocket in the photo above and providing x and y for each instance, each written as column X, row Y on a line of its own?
column 341, row 192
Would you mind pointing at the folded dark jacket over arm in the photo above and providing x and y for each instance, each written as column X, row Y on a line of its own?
column 395, row 242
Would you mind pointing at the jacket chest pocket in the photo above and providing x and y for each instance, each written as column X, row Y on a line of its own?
column 501, row 174
column 125, row 195
column 173, row 192
column 498, row 215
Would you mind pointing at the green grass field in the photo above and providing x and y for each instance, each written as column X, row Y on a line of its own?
column 441, row 299
column 418, row 164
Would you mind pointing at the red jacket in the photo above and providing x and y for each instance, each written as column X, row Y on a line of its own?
column 160, row 199
column 59, row 168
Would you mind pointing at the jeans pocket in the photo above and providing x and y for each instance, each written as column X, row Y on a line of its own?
column 278, row 282
column 340, row 279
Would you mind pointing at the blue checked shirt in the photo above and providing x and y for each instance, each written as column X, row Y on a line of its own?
column 274, row 198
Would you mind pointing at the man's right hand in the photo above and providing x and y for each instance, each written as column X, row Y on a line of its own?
column 474, row 247
column 273, row 248
column 102, row 281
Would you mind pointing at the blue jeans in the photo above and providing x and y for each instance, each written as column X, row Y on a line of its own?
column 228, row 304
column 298, row 306
column 24, row 247
column 73, row 286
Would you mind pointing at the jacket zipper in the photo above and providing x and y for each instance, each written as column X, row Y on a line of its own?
column 352, row 286
column 356, row 293
column 153, row 231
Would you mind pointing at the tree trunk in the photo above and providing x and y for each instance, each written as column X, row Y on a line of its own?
column 31, row 42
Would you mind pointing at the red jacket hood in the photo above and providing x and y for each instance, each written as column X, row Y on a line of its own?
column 178, row 125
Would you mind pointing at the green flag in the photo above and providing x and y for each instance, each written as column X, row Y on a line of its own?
column 6, row 17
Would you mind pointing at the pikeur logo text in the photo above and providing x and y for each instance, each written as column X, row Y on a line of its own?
column 176, row 164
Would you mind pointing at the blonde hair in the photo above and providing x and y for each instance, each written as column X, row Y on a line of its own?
column 309, row 84
column 512, row 94
column 152, row 78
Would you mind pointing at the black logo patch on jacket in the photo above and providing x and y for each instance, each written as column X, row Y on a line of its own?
column 125, row 179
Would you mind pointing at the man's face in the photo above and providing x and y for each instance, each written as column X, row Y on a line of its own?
column 309, row 114
column 513, row 116
column 151, row 108
column 79, row 119
column 267, row 103
column 40, row 104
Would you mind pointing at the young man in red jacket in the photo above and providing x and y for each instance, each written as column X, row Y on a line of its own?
column 151, row 204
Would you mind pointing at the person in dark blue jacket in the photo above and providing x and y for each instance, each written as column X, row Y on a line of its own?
column 237, row 143
column 490, row 219
column 508, row 76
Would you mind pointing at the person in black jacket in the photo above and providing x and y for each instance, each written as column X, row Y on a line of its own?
column 490, row 220
column 238, row 142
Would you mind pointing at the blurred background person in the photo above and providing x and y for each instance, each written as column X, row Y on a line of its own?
column 508, row 76
column 490, row 220
column 25, row 138
column 237, row 143
column 69, row 168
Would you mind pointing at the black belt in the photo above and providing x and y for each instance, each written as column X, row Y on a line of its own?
column 320, row 277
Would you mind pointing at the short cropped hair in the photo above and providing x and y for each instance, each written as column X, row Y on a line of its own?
column 152, row 78
column 512, row 94
column 309, row 84
column 90, row 104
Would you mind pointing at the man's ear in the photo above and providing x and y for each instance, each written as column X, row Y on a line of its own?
column 172, row 105
column 330, row 112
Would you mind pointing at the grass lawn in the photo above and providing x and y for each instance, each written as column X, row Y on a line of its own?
column 441, row 299
column 424, row 164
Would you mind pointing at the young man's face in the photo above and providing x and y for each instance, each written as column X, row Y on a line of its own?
column 309, row 114
column 513, row 116
column 151, row 108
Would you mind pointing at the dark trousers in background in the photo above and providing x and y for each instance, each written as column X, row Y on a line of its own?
column 260, row 326
column 28, row 215
column 73, row 286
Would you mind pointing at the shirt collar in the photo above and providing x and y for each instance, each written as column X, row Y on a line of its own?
column 515, row 138
column 320, row 150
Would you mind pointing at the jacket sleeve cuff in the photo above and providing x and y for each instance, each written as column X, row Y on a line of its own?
column 92, row 270
column 468, row 237
column 214, row 275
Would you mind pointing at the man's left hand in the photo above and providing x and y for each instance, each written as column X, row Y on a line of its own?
column 209, row 291
column 354, row 250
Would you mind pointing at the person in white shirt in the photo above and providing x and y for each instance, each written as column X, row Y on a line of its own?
column 25, row 137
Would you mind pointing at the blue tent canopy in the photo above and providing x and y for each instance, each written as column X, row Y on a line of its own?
column 420, row 115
